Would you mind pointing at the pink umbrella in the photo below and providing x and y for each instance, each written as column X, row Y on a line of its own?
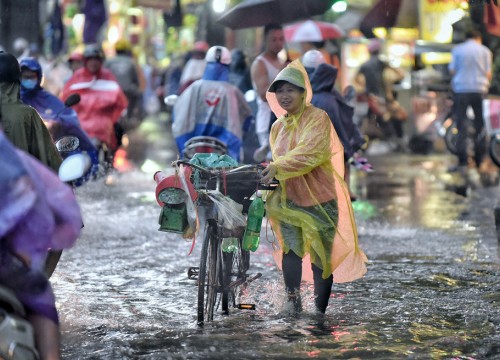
column 311, row 30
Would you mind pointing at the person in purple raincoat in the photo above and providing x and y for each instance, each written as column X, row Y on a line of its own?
column 37, row 212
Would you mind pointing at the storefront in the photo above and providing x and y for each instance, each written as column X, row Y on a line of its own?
column 155, row 28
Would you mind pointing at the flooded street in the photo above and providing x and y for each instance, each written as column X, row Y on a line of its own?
column 432, row 290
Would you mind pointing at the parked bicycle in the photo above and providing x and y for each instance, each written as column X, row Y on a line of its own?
column 221, row 275
column 447, row 128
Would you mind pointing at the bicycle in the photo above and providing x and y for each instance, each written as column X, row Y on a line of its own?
column 221, row 275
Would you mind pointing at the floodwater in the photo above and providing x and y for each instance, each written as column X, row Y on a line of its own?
column 432, row 290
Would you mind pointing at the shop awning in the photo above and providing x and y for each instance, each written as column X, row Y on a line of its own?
column 350, row 19
column 388, row 14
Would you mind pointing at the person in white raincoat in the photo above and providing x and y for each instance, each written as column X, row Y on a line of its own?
column 311, row 211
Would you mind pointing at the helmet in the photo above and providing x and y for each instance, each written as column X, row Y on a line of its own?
column 93, row 50
column 312, row 59
column 123, row 45
column 200, row 46
column 218, row 54
column 75, row 56
column 374, row 46
column 20, row 46
column 9, row 68
column 31, row 64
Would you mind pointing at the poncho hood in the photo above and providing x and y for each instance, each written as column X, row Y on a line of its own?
column 295, row 74
column 323, row 78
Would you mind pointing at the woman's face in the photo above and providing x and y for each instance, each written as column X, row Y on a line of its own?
column 290, row 97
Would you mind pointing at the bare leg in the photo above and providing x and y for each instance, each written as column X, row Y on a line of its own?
column 47, row 337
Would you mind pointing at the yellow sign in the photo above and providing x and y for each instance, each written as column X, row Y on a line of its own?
column 436, row 18
column 362, row 3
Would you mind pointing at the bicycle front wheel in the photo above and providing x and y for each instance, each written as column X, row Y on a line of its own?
column 450, row 138
column 494, row 149
column 210, row 274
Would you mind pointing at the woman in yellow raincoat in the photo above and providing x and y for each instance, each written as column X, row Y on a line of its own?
column 311, row 211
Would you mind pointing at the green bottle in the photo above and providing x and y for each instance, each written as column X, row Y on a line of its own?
column 256, row 212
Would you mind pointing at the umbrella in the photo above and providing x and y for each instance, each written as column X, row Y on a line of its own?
column 311, row 30
column 350, row 19
column 252, row 13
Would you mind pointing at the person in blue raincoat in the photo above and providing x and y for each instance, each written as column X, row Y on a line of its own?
column 50, row 107
column 212, row 106
column 33, row 94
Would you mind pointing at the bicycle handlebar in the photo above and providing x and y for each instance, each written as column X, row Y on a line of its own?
column 236, row 170
column 217, row 171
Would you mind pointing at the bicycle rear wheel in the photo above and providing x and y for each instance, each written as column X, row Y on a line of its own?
column 494, row 149
column 210, row 274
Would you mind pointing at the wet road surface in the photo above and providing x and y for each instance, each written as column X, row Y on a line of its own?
column 432, row 290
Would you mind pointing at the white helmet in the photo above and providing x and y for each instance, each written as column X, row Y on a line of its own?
column 218, row 54
column 312, row 59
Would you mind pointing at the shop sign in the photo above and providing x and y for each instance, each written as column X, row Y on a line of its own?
column 435, row 19
column 167, row 5
column 361, row 3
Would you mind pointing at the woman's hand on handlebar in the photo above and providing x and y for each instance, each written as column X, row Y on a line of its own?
column 268, row 173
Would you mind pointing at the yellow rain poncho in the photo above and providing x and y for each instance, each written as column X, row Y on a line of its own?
column 311, row 211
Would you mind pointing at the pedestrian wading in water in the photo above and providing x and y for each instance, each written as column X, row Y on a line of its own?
column 311, row 211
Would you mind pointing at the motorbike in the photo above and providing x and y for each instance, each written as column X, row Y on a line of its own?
column 105, row 157
column 80, row 156
column 16, row 333
column 197, row 144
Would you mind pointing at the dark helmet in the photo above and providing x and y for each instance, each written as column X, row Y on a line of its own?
column 93, row 50
column 32, row 64
column 10, row 72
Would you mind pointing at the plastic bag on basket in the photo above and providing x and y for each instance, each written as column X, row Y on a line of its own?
column 191, row 209
column 229, row 210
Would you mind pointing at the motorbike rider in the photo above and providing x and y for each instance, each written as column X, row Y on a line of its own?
column 33, row 94
column 131, row 80
column 37, row 212
column 75, row 61
column 102, row 100
column 21, row 123
column 212, row 106
column 51, row 108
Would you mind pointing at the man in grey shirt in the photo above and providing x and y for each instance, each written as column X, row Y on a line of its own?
column 471, row 70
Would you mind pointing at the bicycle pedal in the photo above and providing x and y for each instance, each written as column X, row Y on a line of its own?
column 246, row 306
column 254, row 277
column 193, row 273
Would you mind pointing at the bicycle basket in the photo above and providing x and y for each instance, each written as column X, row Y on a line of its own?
column 238, row 186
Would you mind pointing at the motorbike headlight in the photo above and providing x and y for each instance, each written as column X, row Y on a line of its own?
column 67, row 144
